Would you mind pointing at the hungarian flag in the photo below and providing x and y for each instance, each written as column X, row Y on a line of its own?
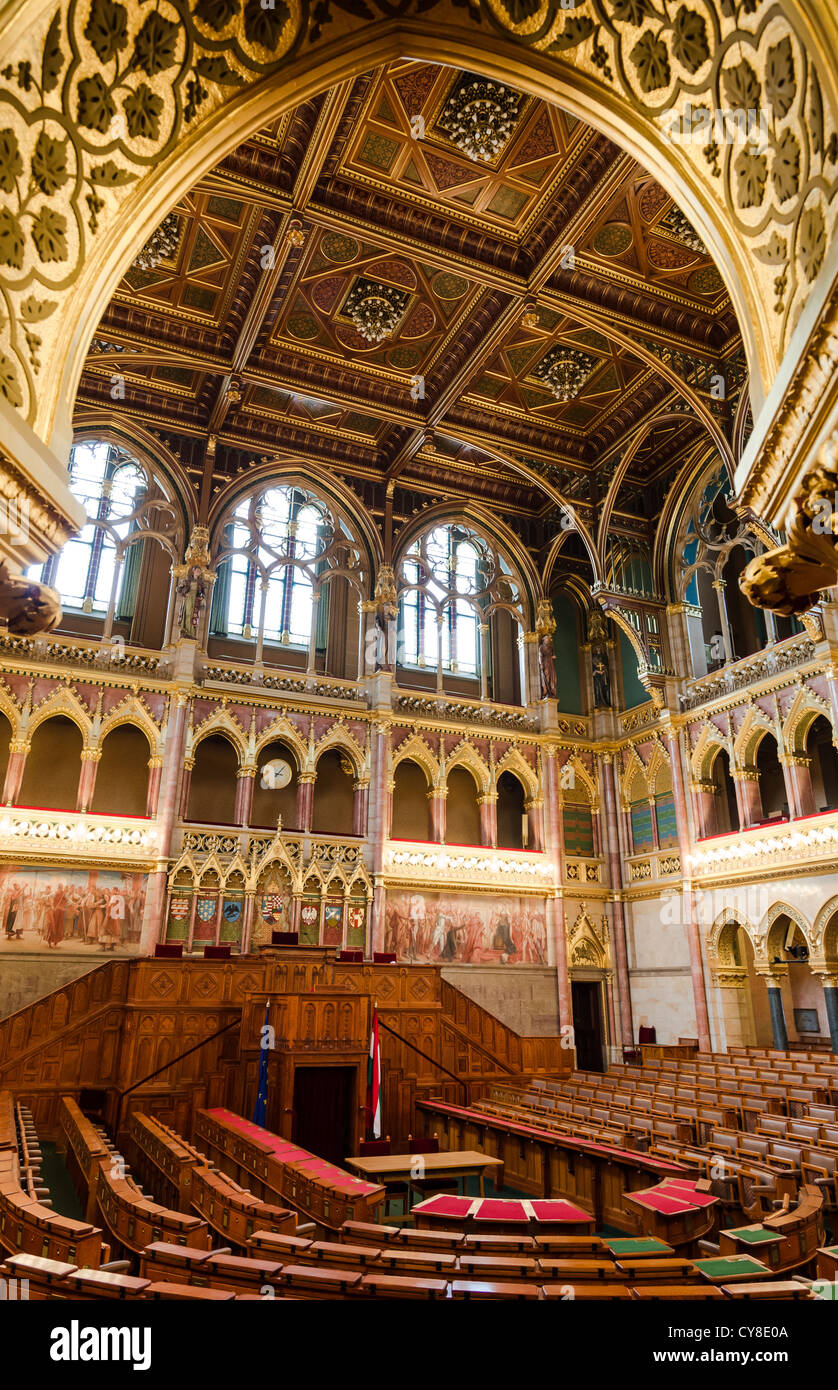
column 374, row 1081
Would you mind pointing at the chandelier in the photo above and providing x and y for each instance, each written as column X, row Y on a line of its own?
column 479, row 117
column 374, row 309
column 564, row 372
column 161, row 245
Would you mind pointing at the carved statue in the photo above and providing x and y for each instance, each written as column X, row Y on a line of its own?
column 192, row 592
column 547, row 665
column 381, row 662
column 602, row 681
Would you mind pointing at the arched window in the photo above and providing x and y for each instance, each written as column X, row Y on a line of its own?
column 125, row 504
column 452, row 585
column 280, row 549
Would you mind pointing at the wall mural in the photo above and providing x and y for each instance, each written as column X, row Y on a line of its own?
column 430, row 927
column 70, row 909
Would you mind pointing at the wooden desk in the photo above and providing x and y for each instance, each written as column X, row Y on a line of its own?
column 466, row 1163
column 668, row 1051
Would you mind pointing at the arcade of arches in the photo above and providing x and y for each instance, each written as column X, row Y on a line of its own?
column 411, row 539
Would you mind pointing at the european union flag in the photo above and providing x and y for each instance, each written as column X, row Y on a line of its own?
column 260, row 1110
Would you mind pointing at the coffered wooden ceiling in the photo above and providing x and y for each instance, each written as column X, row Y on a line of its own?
column 244, row 336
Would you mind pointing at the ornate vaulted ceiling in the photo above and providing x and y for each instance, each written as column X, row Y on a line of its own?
column 559, row 245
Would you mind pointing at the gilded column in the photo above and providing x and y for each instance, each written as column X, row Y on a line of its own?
column 378, row 827
column 535, row 823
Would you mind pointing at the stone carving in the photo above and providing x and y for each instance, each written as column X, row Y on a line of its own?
column 789, row 579
column 26, row 605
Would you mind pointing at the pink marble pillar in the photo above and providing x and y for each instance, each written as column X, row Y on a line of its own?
column 87, row 778
column 436, row 800
column 305, row 801
column 554, row 846
column 798, row 775
column 155, row 767
column 535, row 825
column 360, row 804
column 488, row 820
column 613, row 852
column 166, row 813
column 14, row 772
column 244, row 795
column 688, row 899
column 704, row 803
column 185, row 788
column 750, row 799
column 379, row 810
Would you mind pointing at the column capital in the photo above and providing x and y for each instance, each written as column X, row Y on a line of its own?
column 91, row 755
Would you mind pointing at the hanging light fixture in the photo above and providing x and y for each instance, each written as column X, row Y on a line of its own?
column 564, row 372
column 161, row 245
column 374, row 309
column 479, row 117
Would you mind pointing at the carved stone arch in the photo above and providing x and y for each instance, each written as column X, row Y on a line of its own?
column 658, row 763
column 237, row 866
column 755, row 726
column 467, row 756
column 132, row 711
column 186, row 864
column 588, row 947
column 769, row 931
column 634, row 766
column 825, row 932
column 64, row 702
column 416, row 750
column 211, row 865
column 513, row 761
column 584, row 776
column 276, row 856
column 9, row 707
column 336, row 875
column 722, row 936
column 219, row 722
column 711, row 741
column 360, row 876
column 805, row 708
column 340, row 738
column 281, row 730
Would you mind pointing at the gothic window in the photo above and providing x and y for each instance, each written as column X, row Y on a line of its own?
column 278, row 548
column 451, row 580
column 100, row 566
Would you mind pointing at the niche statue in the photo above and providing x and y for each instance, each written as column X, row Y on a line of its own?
column 192, row 591
column 547, row 665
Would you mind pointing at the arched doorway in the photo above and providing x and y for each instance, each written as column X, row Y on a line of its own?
column 823, row 764
column 725, row 808
column 333, row 794
column 462, row 813
column 53, row 765
column 122, row 778
column 212, row 785
column 274, row 788
column 773, row 799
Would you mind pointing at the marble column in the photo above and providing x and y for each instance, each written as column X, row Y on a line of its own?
column 750, row 799
column 378, row 826
column 488, row 819
column 778, row 1017
column 166, row 815
column 535, row 824
column 155, row 766
column 90, row 759
column 554, row 846
column 185, row 787
column 18, row 752
column 245, row 780
column 615, row 870
column 704, row 805
column 437, row 797
column 305, row 800
column 702, row 1017
column 360, row 803
column 797, row 769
